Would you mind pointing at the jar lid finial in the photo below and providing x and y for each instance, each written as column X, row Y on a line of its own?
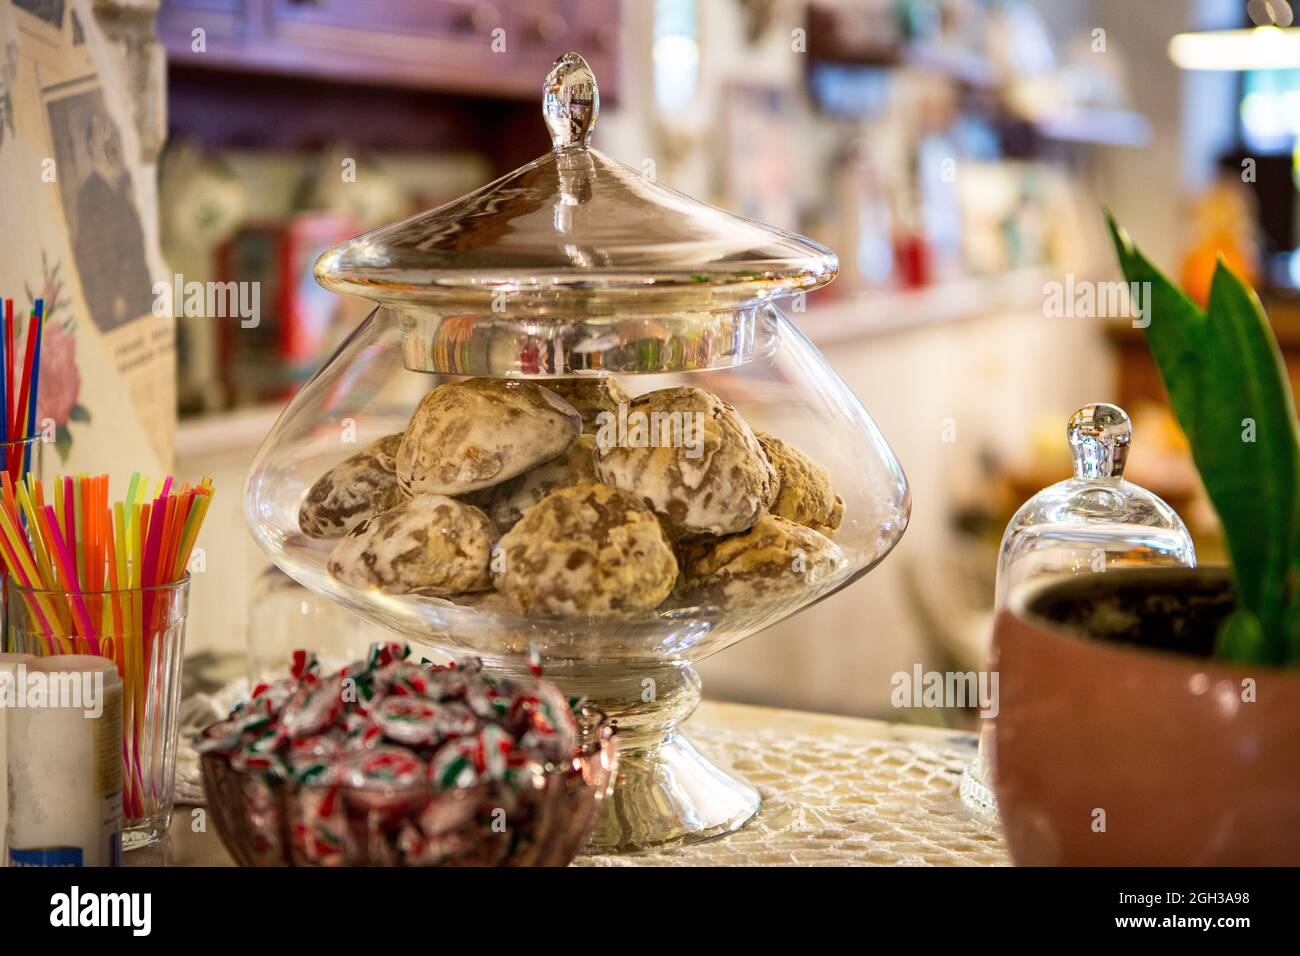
column 1099, row 436
column 570, row 102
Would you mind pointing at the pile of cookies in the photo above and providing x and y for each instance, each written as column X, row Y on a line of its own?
column 572, row 499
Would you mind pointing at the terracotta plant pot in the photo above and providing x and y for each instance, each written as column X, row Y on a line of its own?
column 1120, row 741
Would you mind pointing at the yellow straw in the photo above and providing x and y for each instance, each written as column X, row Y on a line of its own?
column 201, row 503
column 28, row 569
column 38, row 542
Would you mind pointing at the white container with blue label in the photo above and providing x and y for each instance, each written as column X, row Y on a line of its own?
column 64, row 742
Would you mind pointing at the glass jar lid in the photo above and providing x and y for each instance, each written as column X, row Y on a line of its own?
column 1096, row 520
column 575, row 229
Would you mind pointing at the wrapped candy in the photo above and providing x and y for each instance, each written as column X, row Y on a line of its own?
column 314, row 707
column 318, row 826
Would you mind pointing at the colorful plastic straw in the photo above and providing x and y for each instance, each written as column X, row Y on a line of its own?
column 20, row 376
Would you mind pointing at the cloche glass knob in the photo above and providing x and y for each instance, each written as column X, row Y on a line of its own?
column 1099, row 437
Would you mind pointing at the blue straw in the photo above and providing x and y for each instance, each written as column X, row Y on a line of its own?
column 36, row 379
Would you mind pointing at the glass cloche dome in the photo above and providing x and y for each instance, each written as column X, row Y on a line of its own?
column 1090, row 523
column 1096, row 520
column 576, row 422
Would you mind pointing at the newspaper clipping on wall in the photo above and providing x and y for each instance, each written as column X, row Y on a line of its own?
column 78, row 214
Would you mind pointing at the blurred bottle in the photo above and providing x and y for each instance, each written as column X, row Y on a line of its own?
column 1223, row 224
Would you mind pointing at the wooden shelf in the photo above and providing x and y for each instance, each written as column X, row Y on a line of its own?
column 404, row 75
column 463, row 47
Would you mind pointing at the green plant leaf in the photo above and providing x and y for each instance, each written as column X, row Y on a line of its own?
column 1177, row 340
column 1241, row 638
column 1291, row 626
column 1252, row 483
column 1229, row 391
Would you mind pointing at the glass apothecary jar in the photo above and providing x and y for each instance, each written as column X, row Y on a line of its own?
column 577, row 422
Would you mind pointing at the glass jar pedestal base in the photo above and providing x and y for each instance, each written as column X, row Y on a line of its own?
column 666, row 792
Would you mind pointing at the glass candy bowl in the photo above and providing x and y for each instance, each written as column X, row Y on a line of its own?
column 267, row 822
column 673, row 527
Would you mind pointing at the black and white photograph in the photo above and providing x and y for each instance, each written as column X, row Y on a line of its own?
column 101, row 210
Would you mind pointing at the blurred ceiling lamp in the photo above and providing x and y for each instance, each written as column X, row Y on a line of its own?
column 676, row 55
column 1257, row 48
column 1270, row 45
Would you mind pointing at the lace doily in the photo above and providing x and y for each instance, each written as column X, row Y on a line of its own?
column 840, row 801
column 196, row 712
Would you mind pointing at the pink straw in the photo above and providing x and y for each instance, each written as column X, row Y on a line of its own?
column 64, row 557
column 149, row 566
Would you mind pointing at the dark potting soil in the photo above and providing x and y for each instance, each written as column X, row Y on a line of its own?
column 1179, row 612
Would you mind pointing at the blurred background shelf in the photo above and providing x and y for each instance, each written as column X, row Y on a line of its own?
column 878, row 312
column 1101, row 127
column 210, row 436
